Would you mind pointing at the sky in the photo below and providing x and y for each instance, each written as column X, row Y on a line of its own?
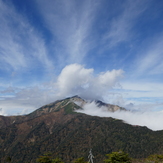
column 109, row 50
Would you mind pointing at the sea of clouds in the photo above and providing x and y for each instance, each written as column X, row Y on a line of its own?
column 152, row 120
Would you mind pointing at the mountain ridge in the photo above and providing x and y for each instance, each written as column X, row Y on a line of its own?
column 58, row 129
column 53, row 107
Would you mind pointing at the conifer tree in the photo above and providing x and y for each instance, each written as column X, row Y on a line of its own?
column 118, row 157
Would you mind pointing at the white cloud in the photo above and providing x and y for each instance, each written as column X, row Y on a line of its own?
column 120, row 27
column 22, row 46
column 70, row 24
column 137, row 95
column 149, row 60
column 25, row 100
column 2, row 112
column 142, row 92
column 74, row 79
column 152, row 120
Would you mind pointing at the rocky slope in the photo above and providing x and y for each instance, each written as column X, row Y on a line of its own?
column 56, row 128
column 76, row 102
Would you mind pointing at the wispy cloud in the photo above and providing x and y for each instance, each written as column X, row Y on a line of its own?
column 121, row 26
column 8, row 37
column 21, row 44
column 70, row 24
column 139, row 95
column 24, row 100
column 149, row 60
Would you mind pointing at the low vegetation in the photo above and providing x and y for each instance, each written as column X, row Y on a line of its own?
column 114, row 157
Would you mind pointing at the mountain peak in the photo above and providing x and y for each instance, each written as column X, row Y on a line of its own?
column 67, row 103
column 110, row 107
column 70, row 104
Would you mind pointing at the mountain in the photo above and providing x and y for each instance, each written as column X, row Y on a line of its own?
column 67, row 134
column 74, row 103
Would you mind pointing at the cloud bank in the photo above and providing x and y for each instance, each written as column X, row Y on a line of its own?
column 152, row 120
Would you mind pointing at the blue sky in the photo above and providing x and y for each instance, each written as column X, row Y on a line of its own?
column 107, row 49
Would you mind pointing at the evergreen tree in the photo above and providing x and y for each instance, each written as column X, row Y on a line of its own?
column 46, row 158
column 118, row 157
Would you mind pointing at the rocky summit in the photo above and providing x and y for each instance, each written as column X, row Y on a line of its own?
column 67, row 134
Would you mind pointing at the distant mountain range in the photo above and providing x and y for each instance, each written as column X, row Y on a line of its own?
column 59, row 129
